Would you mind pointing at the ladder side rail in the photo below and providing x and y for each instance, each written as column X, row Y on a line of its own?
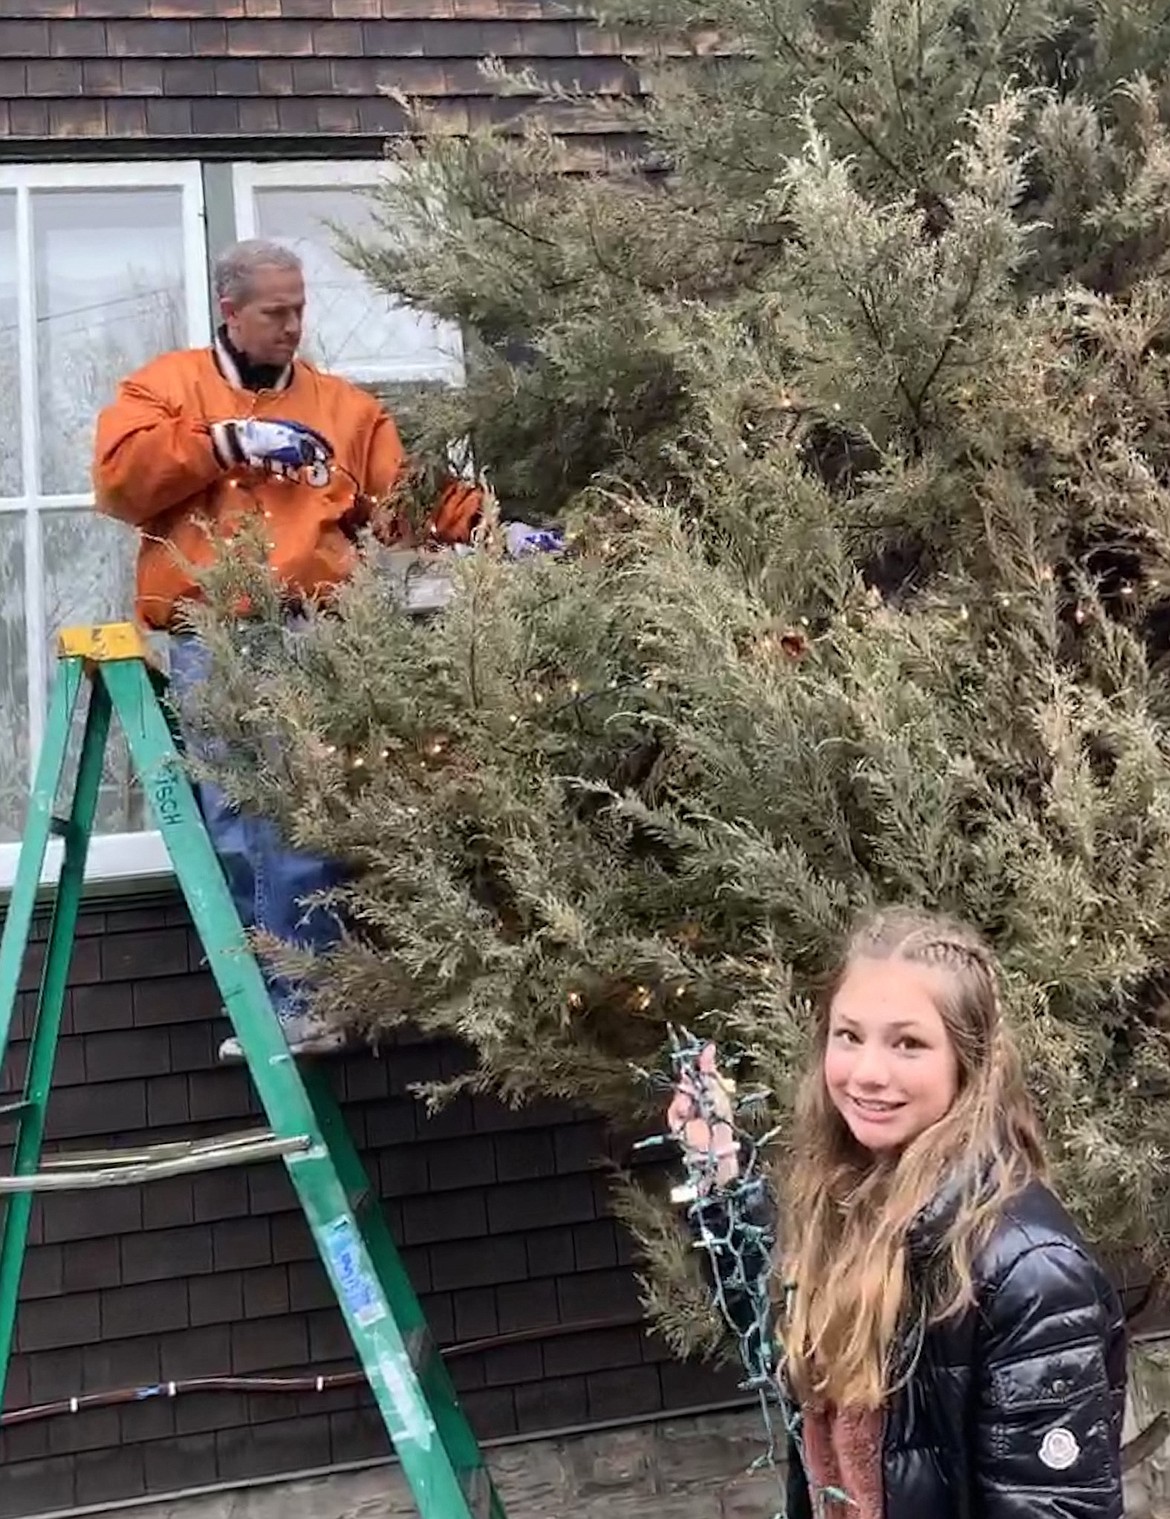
column 429, row 1365
column 58, row 953
column 38, row 830
column 430, row 1468
column 171, row 798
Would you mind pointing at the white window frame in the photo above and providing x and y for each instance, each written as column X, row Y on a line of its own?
column 345, row 174
column 114, row 857
column 139, row 859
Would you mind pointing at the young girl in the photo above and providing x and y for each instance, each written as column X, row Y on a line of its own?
column 952, row 1347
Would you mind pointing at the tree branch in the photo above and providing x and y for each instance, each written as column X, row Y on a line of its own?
column 951, row 338
column 786, row 44
column 1144, row 1444
column 977, row 86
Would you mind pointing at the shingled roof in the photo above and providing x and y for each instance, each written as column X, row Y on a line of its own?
column 125, row 78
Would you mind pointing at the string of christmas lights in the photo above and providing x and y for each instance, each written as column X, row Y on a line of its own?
column 733, row 1221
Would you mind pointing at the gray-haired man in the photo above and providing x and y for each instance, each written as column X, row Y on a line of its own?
column 245, row 428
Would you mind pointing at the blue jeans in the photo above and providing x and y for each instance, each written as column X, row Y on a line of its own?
column 268, row 881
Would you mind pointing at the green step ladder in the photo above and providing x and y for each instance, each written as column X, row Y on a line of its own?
column 439, row 1454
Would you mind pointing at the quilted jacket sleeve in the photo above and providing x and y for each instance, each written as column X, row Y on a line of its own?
column 150, row 454
column 454, row 513
column 1050, row 1387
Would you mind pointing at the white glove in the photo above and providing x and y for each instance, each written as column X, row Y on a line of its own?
column 267, row 445
column 522, row 539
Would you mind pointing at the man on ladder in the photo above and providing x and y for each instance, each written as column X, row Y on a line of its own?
column 247, row 428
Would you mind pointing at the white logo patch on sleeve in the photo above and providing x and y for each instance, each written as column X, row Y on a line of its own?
column 1059, row 1450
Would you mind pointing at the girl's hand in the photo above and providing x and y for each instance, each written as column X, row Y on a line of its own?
column 708, row 1141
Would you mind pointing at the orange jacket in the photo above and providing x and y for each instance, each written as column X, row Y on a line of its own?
column 154, row 468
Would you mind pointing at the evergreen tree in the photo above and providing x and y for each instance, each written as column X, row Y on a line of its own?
column 852, row 392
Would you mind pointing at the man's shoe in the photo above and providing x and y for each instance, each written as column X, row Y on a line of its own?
column 305, row 1033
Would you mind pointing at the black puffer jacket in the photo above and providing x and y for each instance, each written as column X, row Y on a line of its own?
column 1013, row 1410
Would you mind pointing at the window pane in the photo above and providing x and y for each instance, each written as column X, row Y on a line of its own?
column 13, row 679
column 109, row 296
column 352, row 326
column 89, row 577
column 9, row 351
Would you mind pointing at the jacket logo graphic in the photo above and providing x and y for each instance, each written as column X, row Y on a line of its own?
column 1059, row 1450
column 317, row 475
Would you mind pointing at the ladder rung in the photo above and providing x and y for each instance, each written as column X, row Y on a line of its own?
column 123, row 1168
column 15, row 1109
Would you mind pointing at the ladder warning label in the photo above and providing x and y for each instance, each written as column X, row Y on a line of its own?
column 355, row 1281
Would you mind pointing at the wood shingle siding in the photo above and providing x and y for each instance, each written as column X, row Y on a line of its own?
column 103, row 76
column 502, row 1219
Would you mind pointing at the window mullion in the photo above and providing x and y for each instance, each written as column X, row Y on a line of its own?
column 199, row 314
column 34, row 609
column 47, row 509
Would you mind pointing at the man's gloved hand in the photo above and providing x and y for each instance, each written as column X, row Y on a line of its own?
column 268, row 445
column 522, row 540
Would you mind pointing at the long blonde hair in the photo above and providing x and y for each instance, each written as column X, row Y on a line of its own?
column 849, row 1213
